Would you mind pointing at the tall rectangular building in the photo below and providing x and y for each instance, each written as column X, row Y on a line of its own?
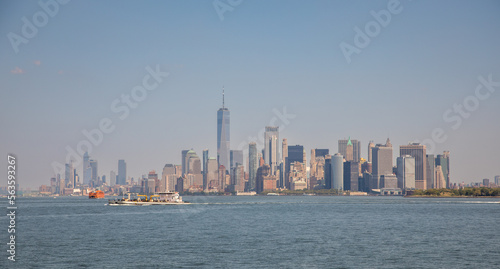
column 93, row 166
column 168, row 178
column 295, row 154
column 321, row 152
column 271, row 147
column 356, row 148
column 122, row 172
column 328, row 171
column 186, row 157
column 284, row 151
column 431, row 165
column 406, row 172
column 87, row 171
column 194, row 164
column 443, row 160
column 205, row 158
column 238, row 178
column 317, row 163
column 212, row 178
column 351, row 176
column 67, row 175
column 371, row 145
column 263, row 173
column 418, row 152
column 204, row 165
column 183, row 159
column 337, row 173
column 253, row 165
column 439, row 180
column 236, row 156
column 223, row 135
column 382, row 162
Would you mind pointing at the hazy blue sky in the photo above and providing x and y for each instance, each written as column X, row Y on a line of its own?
column 268, row 55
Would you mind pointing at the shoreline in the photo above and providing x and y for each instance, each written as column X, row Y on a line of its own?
column 434, row 196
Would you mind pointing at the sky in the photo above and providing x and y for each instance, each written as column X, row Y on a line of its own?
column 428, row 73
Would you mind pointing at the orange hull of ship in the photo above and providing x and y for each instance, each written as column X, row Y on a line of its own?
column 96, row 195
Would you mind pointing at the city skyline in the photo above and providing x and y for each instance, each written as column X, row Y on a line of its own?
column 341, row 143
column 416, row 80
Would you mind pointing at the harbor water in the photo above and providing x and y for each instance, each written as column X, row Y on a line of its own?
column 257, row 232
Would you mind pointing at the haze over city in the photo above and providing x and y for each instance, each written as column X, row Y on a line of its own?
column 286, row 60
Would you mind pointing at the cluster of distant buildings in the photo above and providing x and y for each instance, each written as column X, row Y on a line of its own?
column 276, row 166
column 71, row 183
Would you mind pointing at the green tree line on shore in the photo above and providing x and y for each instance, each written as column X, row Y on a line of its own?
column 465, row 192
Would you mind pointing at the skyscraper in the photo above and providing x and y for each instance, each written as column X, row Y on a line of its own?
column 320, row 152
column 284, row 151
column 430, row 167
column 312, row 164
column 72, row 174
column 351, row 175
column 444, row 161
column 93, row 166
column 194, row 164
column 337, row 172
column 406, row 172
column 193, row 173
column 67, row 175
column 211, row 181
column 370, row 148
column 262, row 173
column 417, row 151
column 439, row 180
column 236, row 156
column 168, row 178
column 75, row 176
column 271, row 151
column 317, row 163
column 122, row 172
column 497, row 180
column 238, row 178
column 204, row 166
column 223, row 135
column 295, row 154
column 349, row 151
column 328, row 171
column 253, row 164
column 221, row 184
column 382, row 162
column 205, row 158
column 356, row 148
column 87, row 171
column 183, row 160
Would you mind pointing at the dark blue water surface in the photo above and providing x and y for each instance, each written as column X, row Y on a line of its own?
column 257, row 232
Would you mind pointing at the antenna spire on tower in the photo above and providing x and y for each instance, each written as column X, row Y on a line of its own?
column 222, row 97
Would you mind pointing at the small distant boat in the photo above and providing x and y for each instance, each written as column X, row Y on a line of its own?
column 272, row 194
column 309, row 194
column 160, row 198
column 96, row 195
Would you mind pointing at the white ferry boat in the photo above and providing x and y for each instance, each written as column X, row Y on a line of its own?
column 160, row 198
